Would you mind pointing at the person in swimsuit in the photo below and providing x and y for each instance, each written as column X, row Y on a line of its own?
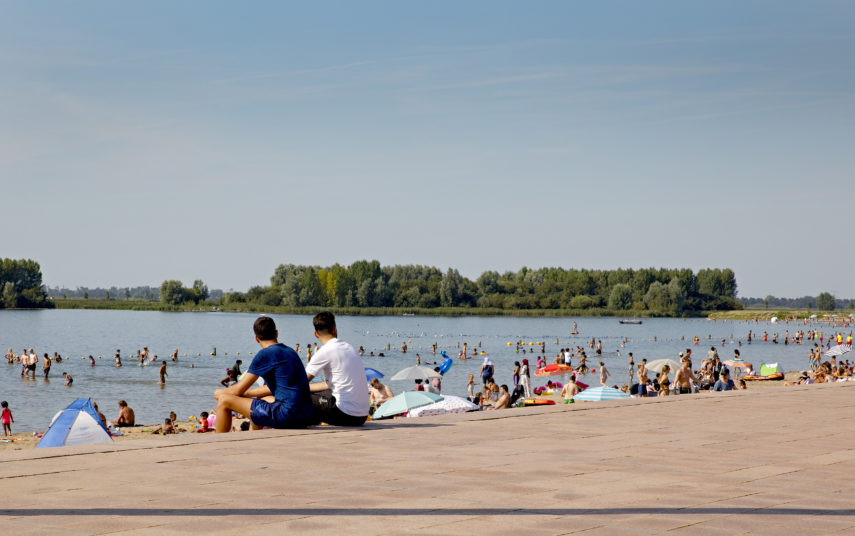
column 6, row 417
column 682, row 379
column 126, row 415
column 380, row 393
column 68, row 379
column 664, row 382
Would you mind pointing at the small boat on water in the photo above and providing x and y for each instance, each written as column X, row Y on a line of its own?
column 634, row 321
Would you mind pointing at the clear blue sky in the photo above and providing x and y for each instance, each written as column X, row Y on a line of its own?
column 213, row 140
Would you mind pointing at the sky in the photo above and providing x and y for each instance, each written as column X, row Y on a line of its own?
column 216, row 140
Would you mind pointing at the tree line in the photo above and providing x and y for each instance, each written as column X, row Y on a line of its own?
column 21, row 285
column 366, row 284
column 143, row 292
column 824, row 301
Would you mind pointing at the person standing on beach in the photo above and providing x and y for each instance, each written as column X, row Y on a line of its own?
column 6, row 417
column 342, row 398
column 525, row 378
column 284, row 401
column 682, row 385
column 643, row 380
column 162, row 373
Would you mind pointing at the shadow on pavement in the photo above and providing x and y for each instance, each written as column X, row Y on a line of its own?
column 202, row 512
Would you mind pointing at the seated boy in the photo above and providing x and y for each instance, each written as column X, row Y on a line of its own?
column 283, row 402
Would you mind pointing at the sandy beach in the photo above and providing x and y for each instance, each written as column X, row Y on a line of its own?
column 22, row 441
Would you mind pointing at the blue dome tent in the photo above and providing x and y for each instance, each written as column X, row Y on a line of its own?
column 78, row 424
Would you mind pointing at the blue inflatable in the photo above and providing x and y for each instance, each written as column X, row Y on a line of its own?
column 445, row 365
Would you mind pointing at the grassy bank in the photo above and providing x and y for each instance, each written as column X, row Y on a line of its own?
column 145, row 305
column 767, row 314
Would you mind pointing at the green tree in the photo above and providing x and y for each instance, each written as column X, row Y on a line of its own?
column 10, row 297
column 172, row 292
column 620, row 297
column 449, row 288
column 667, row 299
column 201, row 290
column 825, row 302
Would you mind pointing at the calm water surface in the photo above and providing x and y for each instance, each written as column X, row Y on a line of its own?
column 188, row 391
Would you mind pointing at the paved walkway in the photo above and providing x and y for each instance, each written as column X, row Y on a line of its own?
column 770, row 461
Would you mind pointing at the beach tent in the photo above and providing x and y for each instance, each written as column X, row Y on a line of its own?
column 771, row 368
column 78, row 424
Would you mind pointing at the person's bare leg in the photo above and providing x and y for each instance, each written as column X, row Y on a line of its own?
column 225, row 405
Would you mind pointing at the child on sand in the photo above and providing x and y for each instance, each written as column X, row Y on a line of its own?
column 203, row 423
column 6, row 417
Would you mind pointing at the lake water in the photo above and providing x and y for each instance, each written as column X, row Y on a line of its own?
column 188, row 391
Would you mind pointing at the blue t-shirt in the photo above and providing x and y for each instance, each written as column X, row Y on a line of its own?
column 722, row 386
column 284, row 374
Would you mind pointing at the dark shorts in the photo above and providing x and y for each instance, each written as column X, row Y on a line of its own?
column 31, row 367
column 327, row 411
column 273, row 415
column 684, row 391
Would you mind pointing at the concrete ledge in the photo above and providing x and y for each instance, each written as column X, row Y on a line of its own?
column 770, row 460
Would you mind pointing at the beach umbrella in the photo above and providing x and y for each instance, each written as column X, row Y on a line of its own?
column 657, row 364
column 840, row 349
column 554, row 370
column 598, row 394
column 404, row 402
column 415, row 373
column 449, row 404
column 445, row 365
column 371, row 373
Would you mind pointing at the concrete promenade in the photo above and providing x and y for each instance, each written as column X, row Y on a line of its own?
column 770, row 461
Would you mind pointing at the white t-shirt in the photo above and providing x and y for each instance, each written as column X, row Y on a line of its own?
column 344, row 372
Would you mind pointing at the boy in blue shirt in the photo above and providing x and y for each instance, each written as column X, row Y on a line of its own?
column 283, row 402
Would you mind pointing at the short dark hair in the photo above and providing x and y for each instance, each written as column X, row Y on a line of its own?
column 264, row 328
column 324, row 323
column 504, row 387
column 123, row 403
